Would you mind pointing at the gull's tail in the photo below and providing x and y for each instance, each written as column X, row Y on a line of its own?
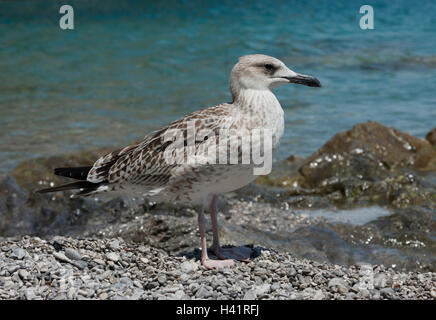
column 78, row 173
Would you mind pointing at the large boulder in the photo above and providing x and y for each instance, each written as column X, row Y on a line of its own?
column 368, row 164
column 368, row 151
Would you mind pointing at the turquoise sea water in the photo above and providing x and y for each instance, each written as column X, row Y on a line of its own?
column 132, row 66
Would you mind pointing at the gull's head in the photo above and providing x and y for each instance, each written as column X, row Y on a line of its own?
column 261, row 72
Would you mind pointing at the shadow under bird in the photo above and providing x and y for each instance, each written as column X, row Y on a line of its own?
column 142, row 169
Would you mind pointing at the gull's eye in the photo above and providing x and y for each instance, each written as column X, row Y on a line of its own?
column 269, row 66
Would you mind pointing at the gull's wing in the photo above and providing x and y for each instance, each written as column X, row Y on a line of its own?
column 145, row 162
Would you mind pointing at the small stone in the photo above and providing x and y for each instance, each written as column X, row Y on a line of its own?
column 23, row 274
column 161, row 279
column 433, row 293
column 152, row 285
column 30, row 294
column 99, row 261
column 57, row 246
column 318, row 295
column 375, row 294
column 126, row 281
column 262, row 289
column 387, row 293
column 113, row 256
column 188, row 266
column 178, row 295
column 60, row 256
column 202, row 293
column 292, row 272
column 380, row 280
column 18, row 253
column 338, row 284
column 311, row 294
column 72, row 254
column 80, row 264
column 364, row 293
column 275, row 287
column 184, row 277
column 103, row 296
column 114, row 244
column 250, row 295
column 350, row 296
column 12, row 268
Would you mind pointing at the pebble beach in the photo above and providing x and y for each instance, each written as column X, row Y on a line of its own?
column 68, row 268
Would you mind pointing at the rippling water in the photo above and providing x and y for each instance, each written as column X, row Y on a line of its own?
column 131, row 66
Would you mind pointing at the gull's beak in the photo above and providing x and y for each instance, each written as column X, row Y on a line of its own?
column 294, row 77
column 304, row 79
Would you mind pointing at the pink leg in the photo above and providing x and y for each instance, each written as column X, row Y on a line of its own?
column 205, row 261
column 236, row 253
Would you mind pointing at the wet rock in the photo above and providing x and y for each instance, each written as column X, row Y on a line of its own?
column 14, row 215
column 431, row 137
column 368, row 164
column 388, row 147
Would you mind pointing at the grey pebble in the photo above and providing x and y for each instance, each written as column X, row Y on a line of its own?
column 161, row 279
column 250, row 295
column 380, row 280
column 291, row 271
column 338, row 284
column 23, row 274
column 387, row 293
column 262, row 289
column 60, row 256
column 114, row 244
column 126, row 281
column 99, row 261
column 202, row 293
column 113, row 256
column 72, row 254
column 188, row 266
column 80, row 264
column 18, row 253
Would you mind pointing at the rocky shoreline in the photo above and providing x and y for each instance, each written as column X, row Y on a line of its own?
column 356, row 220
column 68, row 268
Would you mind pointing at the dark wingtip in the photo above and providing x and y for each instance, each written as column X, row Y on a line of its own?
column 78, row 173
column 316, row 83
column 71, row 186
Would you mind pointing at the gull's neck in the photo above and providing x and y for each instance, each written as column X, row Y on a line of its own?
column 259, row 109
column 252, row 100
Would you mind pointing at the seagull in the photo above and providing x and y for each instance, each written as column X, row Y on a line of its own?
column 192, row 170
